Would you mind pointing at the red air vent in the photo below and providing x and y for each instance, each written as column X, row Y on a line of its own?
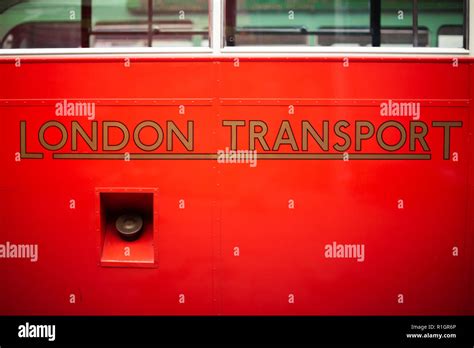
column 127, row 226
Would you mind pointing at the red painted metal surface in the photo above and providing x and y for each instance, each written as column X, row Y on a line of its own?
column 203, row 210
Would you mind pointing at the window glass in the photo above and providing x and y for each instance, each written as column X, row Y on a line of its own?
column 397, row 24
column 40, row 24
column 297, row 22
column 114, row 23
column 344, row 23
column 436, row 15
column 185, row 23
column 173, row 23
column 433, row 16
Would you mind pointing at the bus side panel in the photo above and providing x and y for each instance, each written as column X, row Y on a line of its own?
column 37, row 193
column 296, row 209
column 235, row 238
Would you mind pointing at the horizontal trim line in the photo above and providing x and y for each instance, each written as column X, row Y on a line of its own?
column 111, row 101
column 260, row 156
column 341, row 102
column 236, row 102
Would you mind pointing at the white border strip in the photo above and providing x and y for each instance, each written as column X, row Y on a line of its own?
column 216, row 26
column 343, row 51
column 104, row 51
column 275, row 51
column 243, row 51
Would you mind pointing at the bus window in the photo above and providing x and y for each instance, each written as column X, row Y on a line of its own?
column 344, row 23
column 40, row 24
column 432, row 15
column 298, row 22
column 113, row 23
column 436, row 14
column 150, row 23
column 397, row 23
column 44, row 35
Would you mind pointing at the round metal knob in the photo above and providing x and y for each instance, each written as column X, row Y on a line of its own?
column 129, row 226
